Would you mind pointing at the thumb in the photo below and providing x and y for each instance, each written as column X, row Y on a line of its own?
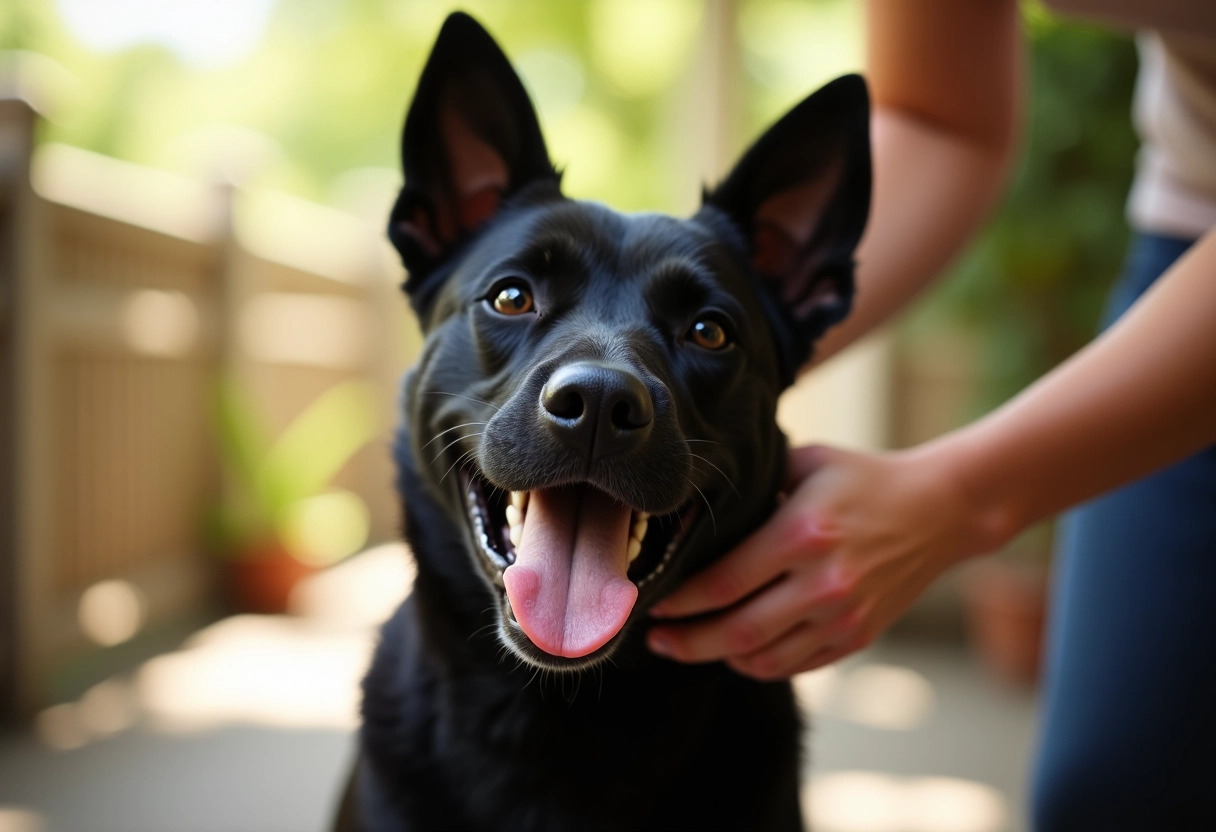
column 804, row 461
column 756, row 562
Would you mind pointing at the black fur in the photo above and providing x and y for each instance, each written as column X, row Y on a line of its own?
column 468, row 724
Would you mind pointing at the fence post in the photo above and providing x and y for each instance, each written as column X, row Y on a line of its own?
column 232, row 287
column 24, row 412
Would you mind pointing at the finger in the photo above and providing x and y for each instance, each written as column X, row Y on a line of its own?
column 826, row 656
column 805, row 646
column 754, row 563
column 804, row 461
column 756, row 623
column 780, row 658
column 741, row 631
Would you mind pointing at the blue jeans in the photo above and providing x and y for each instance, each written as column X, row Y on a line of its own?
column 1128, row 736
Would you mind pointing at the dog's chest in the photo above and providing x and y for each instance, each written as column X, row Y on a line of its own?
column 477, row 751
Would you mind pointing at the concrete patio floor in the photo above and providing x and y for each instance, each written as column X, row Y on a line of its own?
column 248, row 728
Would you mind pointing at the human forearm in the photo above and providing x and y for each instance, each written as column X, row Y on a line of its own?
column 946, row 82
column 1141, row 396
column 932, row 191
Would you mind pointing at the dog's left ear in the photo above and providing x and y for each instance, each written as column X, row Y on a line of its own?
column 801, row 195
column 471, row 140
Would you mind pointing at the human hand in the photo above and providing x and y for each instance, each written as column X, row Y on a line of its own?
column 859, row 538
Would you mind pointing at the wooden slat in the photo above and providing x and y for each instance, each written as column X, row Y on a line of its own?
column 133, row 475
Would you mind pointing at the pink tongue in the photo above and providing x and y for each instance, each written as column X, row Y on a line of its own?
column 567, row 587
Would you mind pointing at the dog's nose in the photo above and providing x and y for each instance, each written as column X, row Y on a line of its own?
column 597, row 409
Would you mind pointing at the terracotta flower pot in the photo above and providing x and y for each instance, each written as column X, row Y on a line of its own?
column 1005, row 606
column 261, row 579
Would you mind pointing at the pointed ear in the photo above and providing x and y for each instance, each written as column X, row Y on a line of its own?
column 801, row 195
column 471, row 139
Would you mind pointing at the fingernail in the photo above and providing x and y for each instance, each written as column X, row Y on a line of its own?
column 659, row 610
column 659, row 645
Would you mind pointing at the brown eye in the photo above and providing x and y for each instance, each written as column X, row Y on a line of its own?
column 709, row 334
column 512, row 299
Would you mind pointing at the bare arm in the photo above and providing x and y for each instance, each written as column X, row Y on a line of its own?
column 1139, row 397
column 946, row 83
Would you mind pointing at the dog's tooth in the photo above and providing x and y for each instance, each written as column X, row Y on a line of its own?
column 635, row 548
column 514, row 516
column 640, row 527
column 516, row 535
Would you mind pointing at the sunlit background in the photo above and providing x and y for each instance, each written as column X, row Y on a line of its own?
column 200, row 337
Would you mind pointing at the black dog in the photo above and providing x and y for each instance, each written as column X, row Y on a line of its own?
column 592, row 420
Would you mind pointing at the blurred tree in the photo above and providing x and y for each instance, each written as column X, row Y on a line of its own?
column 329, row 82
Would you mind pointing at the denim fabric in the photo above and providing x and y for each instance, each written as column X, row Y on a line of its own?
column 1128, row 736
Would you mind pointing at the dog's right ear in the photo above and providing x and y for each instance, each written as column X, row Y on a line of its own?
column 471, row 139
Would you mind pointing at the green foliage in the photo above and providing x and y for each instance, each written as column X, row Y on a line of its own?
column 268, row 479
column 329, row 83
column 1033, row 284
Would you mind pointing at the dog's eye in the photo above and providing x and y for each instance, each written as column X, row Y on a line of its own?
column 709, row 333
column 512, row 299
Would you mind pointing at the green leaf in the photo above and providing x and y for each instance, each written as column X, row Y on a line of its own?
column 316, row 445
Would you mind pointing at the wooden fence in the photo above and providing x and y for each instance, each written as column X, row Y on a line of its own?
column 126, row 294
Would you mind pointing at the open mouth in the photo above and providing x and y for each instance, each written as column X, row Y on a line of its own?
column 570, row 560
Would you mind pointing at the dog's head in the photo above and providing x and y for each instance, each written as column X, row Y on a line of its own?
column 595, row 403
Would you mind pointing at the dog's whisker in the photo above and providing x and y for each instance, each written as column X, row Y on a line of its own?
column 455, row 441
column 467, row 456
column 719, row 470
column 460, row 396
column 449, row 430
column 463, row 458
column 480, row 630
column 536, row 672
column 713, row 520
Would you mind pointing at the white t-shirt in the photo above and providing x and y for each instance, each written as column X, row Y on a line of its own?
column 1174, row 109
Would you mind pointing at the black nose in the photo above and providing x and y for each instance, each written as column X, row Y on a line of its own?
column 597, row 409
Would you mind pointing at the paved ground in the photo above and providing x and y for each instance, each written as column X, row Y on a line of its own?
column 247, row 728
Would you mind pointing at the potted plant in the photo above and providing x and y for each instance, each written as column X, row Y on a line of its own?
column 277, row 519
column 1005, row 606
